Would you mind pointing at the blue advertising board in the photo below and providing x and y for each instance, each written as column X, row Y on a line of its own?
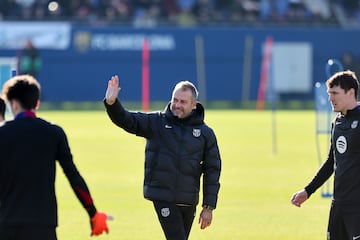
column 95, row 53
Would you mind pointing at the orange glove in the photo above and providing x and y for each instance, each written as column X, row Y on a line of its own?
column 98, row 224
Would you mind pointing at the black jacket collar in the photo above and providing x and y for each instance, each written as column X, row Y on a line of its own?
column 195, row 118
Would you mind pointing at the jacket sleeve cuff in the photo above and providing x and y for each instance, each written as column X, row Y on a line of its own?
column 108, row 105
column 208, row 207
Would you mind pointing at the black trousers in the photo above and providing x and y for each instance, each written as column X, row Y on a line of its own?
column 344, row 222
column 28, row 233
column 176, row 221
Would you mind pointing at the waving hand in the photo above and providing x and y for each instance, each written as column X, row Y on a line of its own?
column 112, row 90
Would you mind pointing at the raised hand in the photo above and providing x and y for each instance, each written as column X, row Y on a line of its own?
column 112, row 90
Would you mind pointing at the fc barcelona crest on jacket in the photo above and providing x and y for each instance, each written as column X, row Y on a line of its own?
column 196, row 132
column 165, row 212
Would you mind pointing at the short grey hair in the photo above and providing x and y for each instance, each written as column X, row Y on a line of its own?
column 187, row 85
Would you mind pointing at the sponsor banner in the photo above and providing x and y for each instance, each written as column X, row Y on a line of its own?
column 44, row 35
column 90, row 41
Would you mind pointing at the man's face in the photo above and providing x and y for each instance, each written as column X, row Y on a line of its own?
column 182, row 103
column 340, row 100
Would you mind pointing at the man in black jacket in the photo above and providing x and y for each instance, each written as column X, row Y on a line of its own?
column 29, row 148
column 343, row 160
column 180, row 148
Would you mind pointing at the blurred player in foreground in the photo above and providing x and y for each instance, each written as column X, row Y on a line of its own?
column 29, row 148
column 180, row 149
column 343, row 160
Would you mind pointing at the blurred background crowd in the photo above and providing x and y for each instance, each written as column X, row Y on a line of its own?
column 149, row 13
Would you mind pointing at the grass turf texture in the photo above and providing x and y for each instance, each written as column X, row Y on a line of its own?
column 256, row 183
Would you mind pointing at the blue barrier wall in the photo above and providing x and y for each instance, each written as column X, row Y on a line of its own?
column 80, row 73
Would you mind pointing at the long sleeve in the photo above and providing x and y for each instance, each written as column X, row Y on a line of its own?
column 212, row 169
column 137, row 123
column 77, row 182
column 323, row 174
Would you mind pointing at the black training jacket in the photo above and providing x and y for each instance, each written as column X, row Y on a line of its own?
column 177, row 153
column 343, row 160
column 29, row 149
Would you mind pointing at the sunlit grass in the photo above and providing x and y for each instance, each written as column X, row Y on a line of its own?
column 262, row 168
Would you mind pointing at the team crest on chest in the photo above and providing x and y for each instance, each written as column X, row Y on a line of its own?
column 196, row 132
column 354, row 124
column 165, row 212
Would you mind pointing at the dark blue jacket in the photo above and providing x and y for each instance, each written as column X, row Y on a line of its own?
column 177, row 153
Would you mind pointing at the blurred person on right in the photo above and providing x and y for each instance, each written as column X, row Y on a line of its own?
column 343, row 160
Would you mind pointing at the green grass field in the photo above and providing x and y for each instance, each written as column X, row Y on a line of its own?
column 256, row 182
